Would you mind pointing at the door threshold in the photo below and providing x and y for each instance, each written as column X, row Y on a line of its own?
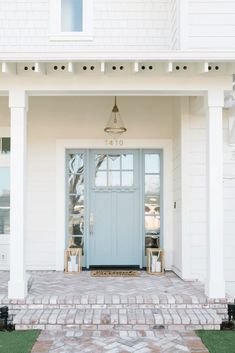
column 115, row 267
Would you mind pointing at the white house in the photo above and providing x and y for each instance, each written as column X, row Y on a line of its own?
column 170, row 63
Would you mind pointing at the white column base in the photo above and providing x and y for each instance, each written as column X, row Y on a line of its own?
column 18, row 290
column 215, row 289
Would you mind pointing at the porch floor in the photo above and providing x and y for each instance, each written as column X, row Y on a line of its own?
column 51, row 283
column 60, row 301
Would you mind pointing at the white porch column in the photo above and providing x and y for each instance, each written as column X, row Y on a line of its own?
column 215, row 284
column 17, row 286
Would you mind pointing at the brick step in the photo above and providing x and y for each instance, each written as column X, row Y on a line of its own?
column 119, row 319
column 161, row 299
column 129, row 303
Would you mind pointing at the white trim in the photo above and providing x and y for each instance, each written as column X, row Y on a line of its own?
column 175, row 56
column 62, row 145
column 55, row 26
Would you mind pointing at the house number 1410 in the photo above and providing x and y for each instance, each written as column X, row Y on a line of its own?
column 114, row 142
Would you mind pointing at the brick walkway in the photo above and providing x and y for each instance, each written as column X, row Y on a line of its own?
column 80, row 313
column 157, row 341
column 60, row 301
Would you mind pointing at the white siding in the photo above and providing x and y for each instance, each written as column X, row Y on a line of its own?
column 174, row 24
column 211, row 25
column 119, row 25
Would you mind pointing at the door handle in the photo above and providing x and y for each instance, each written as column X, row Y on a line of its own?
column 91, row 223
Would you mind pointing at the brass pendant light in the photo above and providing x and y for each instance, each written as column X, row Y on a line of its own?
column 115, row 125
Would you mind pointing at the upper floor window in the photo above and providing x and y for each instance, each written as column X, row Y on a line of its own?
column 71, row 19
column 71, row 15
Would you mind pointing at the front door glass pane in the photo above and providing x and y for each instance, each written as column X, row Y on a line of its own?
column 114, row 178
column 152, row 225
column 114, row 162
column 114, row 170
column 101, row 162
column 152, row 184
column 152, row 163
column 127, row 161
column 127, row 178
column 101, row 178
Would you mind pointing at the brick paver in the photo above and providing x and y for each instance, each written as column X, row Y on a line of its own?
column 80, row 313
column 154, row 341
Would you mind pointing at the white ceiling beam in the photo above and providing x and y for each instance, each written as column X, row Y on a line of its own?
column 136, row 66
column 39, row 68
column 8, row 68
column 71, row 67
column 102, row 67
column 203, row 68
column 169, row 67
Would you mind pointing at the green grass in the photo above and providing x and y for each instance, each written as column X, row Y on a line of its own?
column 18, row 341
column 218, row 341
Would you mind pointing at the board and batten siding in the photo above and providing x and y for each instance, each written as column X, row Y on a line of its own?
column 177, row 189
column 197, row 183
column 118, row 25
column 211, row 25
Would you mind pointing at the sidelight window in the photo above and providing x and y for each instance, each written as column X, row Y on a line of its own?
column 76, row 179
column 152, row 193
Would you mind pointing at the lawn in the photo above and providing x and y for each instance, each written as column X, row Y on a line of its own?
column 218, row 341
column 17, row 341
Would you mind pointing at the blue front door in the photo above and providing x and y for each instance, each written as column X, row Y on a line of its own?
column 114, row 204
column 114, row 208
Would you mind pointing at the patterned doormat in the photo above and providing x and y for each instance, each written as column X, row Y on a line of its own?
column 115, row 273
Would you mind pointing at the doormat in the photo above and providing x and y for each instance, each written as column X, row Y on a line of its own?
column 115, row 273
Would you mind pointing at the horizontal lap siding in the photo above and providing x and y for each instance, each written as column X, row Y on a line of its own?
column 118, row 26
column 211, row 25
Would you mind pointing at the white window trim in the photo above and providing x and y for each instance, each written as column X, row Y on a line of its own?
column 55, row 23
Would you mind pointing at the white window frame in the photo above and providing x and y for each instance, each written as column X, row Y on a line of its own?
column 55, row 23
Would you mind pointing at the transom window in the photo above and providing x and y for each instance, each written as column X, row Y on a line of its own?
column 71, row 19
column 114, row 170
